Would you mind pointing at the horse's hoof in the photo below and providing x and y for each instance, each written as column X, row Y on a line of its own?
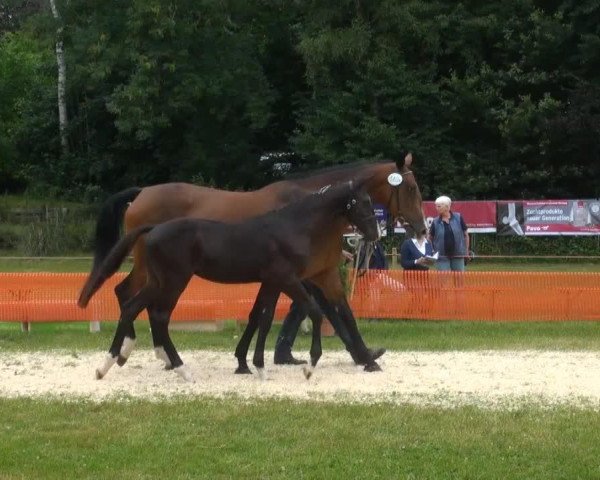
column 376, row 353
column 168, row 367
column 308, row 371
column 121, row 361
column 243, row 371
column 184, row 373
column 372, row 367
column 99, row 374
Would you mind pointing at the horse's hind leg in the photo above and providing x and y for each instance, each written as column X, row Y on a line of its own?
column 161, row 306
column 162, row 317
column 124, row 292
column 129, row 311
column 158, row 341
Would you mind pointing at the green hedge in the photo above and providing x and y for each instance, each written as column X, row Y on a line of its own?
column 492, row 244
column 44, row 231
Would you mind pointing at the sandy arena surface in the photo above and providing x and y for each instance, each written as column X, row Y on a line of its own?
column 484, row 378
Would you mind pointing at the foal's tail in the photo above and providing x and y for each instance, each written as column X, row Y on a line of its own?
column 109, row 223
column 110, row 264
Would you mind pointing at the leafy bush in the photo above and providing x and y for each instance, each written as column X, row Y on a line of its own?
column 56, row 236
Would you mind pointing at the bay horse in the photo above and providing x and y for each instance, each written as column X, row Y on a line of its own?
column 275, row 249
column 389, row 183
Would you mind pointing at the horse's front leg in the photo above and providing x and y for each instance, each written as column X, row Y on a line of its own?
column 298, row 293
column 332, row 299
column 316, row 349
column 364, row 355
column 265, row 301
column 241, row 350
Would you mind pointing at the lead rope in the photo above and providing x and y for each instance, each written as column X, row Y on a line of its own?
column 369, row 249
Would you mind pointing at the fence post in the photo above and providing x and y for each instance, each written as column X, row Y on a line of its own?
column 394, row 258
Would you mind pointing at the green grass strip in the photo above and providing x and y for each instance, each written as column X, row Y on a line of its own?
column 228, row 439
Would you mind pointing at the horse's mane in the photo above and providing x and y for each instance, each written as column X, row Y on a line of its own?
column 333, row 170
column 327, row 193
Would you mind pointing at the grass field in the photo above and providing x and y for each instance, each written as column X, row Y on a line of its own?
column 229, row 439
column 272, row 439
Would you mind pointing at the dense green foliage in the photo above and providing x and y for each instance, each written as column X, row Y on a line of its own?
column 496, row 99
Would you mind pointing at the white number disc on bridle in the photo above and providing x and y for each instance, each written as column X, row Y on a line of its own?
column 394, row 179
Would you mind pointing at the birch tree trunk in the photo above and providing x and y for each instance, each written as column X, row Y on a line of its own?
column 62, row 81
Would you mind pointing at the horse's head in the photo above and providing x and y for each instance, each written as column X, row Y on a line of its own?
column 397, row 189
column 359, row 211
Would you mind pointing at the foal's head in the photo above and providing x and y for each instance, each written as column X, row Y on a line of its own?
column 357, row 206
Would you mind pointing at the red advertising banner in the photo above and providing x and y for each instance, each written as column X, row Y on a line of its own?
column 549, row 217
column 523, row 217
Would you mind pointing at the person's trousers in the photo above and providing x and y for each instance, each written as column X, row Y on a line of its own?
column 450, row 264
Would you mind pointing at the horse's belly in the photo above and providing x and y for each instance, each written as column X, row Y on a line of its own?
column 228, row 275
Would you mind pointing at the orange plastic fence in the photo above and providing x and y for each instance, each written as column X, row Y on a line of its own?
column 47, row 297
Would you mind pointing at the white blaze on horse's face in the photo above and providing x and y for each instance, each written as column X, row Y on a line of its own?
column 394, row 179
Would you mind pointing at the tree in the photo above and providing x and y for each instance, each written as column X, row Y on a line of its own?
column 63, row 122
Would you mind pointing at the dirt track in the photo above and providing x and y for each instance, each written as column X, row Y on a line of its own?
column 486, row 378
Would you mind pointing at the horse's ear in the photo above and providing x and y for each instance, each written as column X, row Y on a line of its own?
column 404, row 159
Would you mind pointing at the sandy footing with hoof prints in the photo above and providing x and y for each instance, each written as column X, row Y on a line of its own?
column 494, row 379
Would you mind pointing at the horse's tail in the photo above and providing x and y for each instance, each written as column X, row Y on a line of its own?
column 110, row 264
column 108, row 226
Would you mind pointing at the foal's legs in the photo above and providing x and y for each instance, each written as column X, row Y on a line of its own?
column 172, row 281
column 258, row 309
column 161, row 315
column 335, row 304
column 267, row 300
column 364, row 356
column 158, row 342
column 127, row 332
column 129, row 311
column 124, row 292
column 296, row 291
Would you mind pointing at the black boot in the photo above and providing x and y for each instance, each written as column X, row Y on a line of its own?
column 286, row 358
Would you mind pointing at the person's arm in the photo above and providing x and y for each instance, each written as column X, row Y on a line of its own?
column 428, row 249
column 431, row 233
column 466, row 233
column 408, row 259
